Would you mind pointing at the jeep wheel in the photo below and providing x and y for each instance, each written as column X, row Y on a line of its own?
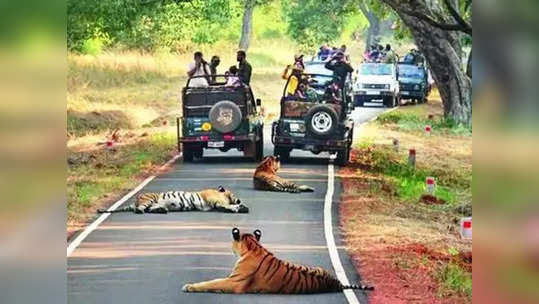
column 359, row 102
column 283, row 153
column 188, row 153
column 342, row 157
column 259, row 148
column 321, row 121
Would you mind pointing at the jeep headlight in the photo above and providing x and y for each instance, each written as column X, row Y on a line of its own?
column 386, row 86
column 417, row 87
column 206, row 127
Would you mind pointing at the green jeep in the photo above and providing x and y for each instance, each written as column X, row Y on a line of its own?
column 220, row 117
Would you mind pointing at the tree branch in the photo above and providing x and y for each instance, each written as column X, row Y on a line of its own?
column 431, row 21
column 466, row 28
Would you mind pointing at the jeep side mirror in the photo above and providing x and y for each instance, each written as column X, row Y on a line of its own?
column 258, row 101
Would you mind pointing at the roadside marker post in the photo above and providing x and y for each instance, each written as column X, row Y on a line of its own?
column 431, row 185
column 411, row 158
column 466, row 228
column 428, row 129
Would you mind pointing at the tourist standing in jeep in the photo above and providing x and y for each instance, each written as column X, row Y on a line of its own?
column 244, row 68
column 340, row 68
column 199, row 68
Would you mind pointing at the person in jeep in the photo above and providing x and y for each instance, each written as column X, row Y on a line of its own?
column 244, row 68
column 340, row 68
column 198, row 68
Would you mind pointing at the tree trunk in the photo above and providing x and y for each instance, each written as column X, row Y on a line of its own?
column 247, row 25
column 442, row 52
column 469, row 65
column 374, row 25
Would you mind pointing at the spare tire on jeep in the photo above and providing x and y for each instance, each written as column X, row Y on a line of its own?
column 225, row 116
column 321, row 121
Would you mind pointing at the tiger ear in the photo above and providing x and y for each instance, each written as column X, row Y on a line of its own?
column 257, row 234
column 221, row 189
column 236, row 234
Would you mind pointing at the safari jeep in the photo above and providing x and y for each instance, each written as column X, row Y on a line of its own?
column 220, row 117
column 315, row 123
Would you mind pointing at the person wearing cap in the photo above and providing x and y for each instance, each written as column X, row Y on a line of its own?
column 298, row 66
column 340, row 68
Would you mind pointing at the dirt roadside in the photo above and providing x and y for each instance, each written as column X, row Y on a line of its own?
column 408, row 248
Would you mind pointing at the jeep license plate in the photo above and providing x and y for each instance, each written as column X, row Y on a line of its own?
column 405, row 93
column 216, row 144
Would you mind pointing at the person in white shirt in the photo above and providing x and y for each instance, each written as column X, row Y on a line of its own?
column 198, row 68
column 232, row 79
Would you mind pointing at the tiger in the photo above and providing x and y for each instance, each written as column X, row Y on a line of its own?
column 174, row 201
column 265, row 178
column 258, row 271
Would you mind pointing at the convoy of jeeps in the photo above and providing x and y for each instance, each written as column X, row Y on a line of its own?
column 315, row 119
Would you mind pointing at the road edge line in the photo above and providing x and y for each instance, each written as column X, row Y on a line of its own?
column 330, row 239
column 78, row 240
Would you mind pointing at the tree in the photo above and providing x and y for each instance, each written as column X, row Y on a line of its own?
column 313, row 22
column 247, row 22
column 374, row 24
column 436, row 29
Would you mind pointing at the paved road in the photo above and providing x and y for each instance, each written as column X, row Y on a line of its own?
column 146, row 259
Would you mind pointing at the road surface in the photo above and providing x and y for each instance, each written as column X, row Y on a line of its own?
column 148, row 258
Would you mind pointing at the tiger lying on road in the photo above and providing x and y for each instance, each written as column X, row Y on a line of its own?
column 258, row 271
column 265, row 178
column 174, row 201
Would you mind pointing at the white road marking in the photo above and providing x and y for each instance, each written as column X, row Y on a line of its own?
column 330, row 240
column 76, row 242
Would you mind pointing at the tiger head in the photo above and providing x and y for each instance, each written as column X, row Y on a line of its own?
column 222, row 197
column 270, row 164
column 245, row 242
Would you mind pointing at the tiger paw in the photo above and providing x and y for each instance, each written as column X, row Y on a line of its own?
column 187, row 288
column 243, row 209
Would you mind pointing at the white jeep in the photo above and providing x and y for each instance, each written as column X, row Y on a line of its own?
column 376, row 82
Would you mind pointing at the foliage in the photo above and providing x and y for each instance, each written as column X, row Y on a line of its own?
column 411, row 122
column 455, row 279
column 148, row 24
column 410, row 182
column 311, row 22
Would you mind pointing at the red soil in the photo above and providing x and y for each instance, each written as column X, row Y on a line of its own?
column 400, row 273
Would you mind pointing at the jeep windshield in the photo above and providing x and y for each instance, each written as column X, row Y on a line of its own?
column 411, row 71
column 379, row 69
column 318, row 71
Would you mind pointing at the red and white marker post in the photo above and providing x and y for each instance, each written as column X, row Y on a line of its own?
column 428, row 129
column 431, row 185
column 411, row 158
column 466, row 228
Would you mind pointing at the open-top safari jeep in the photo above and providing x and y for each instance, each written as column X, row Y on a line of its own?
column 220, row 117
column 313, row 120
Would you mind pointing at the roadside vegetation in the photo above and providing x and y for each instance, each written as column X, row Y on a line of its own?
column 404, row 243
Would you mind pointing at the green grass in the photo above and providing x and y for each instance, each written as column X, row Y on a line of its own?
column 104, row 172
column 410, row 181
column 413, row 122
column 454, row 279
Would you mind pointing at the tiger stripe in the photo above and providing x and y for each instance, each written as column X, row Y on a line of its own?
column 259, row 271
column 172, row 201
